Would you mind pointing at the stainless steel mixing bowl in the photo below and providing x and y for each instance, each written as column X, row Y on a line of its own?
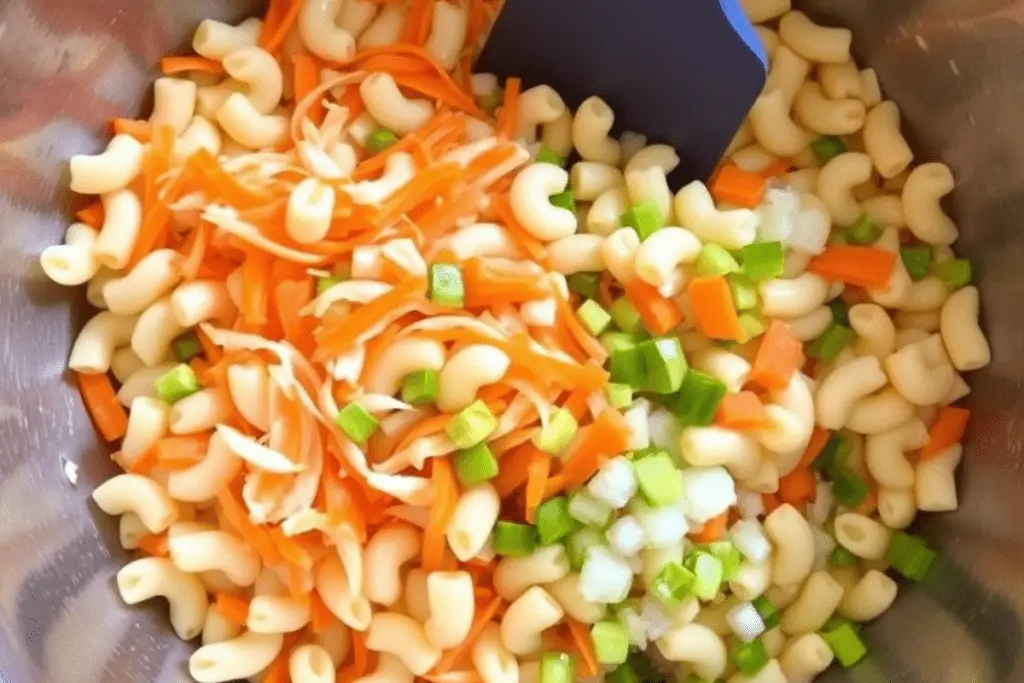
column 67, row 66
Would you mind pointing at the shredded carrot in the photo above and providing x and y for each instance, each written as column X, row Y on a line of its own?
column 425, row 186
column 480, row 621
column 868, row 267
column 798, row 487
column 537, row 470
column 584, row 645
column 742, row 411
column 568, row 319
column 949, row 428
column 733, row 185
column 513, row 471
column 417, row 22
column 486, row 286
column 779, row 356
column 145, row 463
column 713, row 529
column 174, row 65
column 100, row 399
column 237, row 516
column 281, row 15
column 606, row 437
column 140, row 130
column 154, row 545
column 290, row 297
column 277, row 672
column 320, row 618
column 441, row 89
column 306, row 79
column 713, row 309
column 255, row 285
column 446, row 495
column 233, row 608
column 360, row 660
column 509, row 114
column 92, row 215
column 659, row 314
column 338, row 337
column 196, row 254
column 179, row 452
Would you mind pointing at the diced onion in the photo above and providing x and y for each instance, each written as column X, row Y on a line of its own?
column 710, row 491
column 664, row 526
column 750, row 504
column 626, row 536
column 656, row 622
column 636, row 420
column 777, row 215
column 664, row 430
column 749, row 538
column 636, row 627
column 819, row 510
column 745, row 621
column 810, row 232
column 614, row 483
column 605, row 577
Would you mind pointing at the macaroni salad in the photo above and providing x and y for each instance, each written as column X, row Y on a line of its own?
column 415, row 375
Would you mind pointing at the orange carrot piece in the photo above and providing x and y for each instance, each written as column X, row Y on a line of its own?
column 417, row 22
column 868, row 267
column 277, row 672
column 659, row 314
column 174, row 64
column 509, row 113
column 819, row 438
column 320, row 618
column 140, row 130
column 233, row 608
column 584, row 645
column 179, row 452
column 483, row 617
column 777, row 168
column 338, row 336
column 485, row 286
column 771, row 502
column 733, row 185
column 426, row 185
column 741, row 411
column 441, row 89
column 280, row 17
column 236, row 514
column 306, row 79
column 797, row 487
column 537, row 471
column 712, row 530
column 513, row 470
column 445, row 496
column 713, row 309
column 92, row 215
column 145, row 463
column 100, row 399
column 290, row 297
column 606, row 437
column 779, row 356
column 949, row 428
column 255, row 284
column 154, row 545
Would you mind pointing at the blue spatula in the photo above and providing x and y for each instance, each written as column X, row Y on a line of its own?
column 683, row 72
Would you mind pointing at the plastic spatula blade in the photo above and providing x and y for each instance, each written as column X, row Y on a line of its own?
column 684, row 72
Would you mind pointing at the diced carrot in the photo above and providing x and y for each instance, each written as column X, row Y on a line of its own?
column 713, row 309
column 584, row 645
column 154, row 545
column 771, row 502
column 949, row 428
column 306, row 79
column 480, row 621
column 733, row 185
column 509, row 114
column 486, row 286
column 797, row 487
column 819, row 438
column 742, row 411
column 140, row 130
column 320, row 618
column 92, row 215
column 513, row 470
column 537, row 471
column 100, row 399
column 606, row 437
column 713, row 529
column 174, row 65
column 868, row 267
column 255, row 287
column 777, row 168
column 446, row 495
column 778, row 357
column 659, row 315
column 233, row 608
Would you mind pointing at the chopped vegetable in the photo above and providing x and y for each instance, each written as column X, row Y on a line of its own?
column 476, row 465
column 708, row 571
column 827, row 148
column 186, row 347
column 917, row 261
column 556, row 667
column 732, row 185
column 108, row 415
column 176, row 384
column 745, row 622
column 380, row 140
column 713, row 309
column 325, row 283
column 626, row 365
column 578, row 545
column 863, row 231
column 623, row 674
column 625, row 316
column 949, row 428
column 910, row 556
column 357, row 422
column 645, row 218
column 558, row 434
column 626, row 536
column 849, row 488
column 593, row 317
column 742, row 411
column 619, row 395
column 753, row 325
column 659, row 314
column 869, row 267
column 421, row 387
column 584, row 284
column 663, row 364
column 549, row 156
column 955, row 273
column 750, row 657
column 728, row 554
column 832, row 342
column 845, row 643
column 768, row 611
column 762, row 260
column 744, row 292
column 611, row 642
column 715, row 260
column 446, row 286
column 840, row 312
column 605, row 577
column 615, row 483
column 672, row 583
column 841, row 557
column 833, row 455
column 615, row 341
column 514, row 540
column 587, row 509
column 697, row 400
column 779, row 356
column 471, row 426
column 554, row 521
column 564, row 200
column 658, row 480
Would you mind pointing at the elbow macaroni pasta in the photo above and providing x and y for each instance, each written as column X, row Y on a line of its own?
column 385, row 553
column 72, row 263
column 139, row 495
column 815, row 110
column 925, row 186
column 215, row 40
column 216, row 550
column 590, row 132
column 451, row 600
column 174, row 103
column 884, row 142
column 773, row 127
column 794, row 546
column 862, row 536
column 515, row 575
column 527, row 618
column 241, row 657
column 472, row 521
column 149, row 280
column 847, row 384
column 390, row 108
column 870, row 598
column 817, row 601
column 110, row 171
column 964, row 341
column 466, row 371
column 321, row 34
column 696, row 645
column 529, row 197
column 94, row 347
column 402, row 637
column 260, row 73
column 150, row 577
column 122, row 219
column 813, row 42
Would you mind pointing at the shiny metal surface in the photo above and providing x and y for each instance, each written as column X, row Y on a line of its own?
column 955, row 67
